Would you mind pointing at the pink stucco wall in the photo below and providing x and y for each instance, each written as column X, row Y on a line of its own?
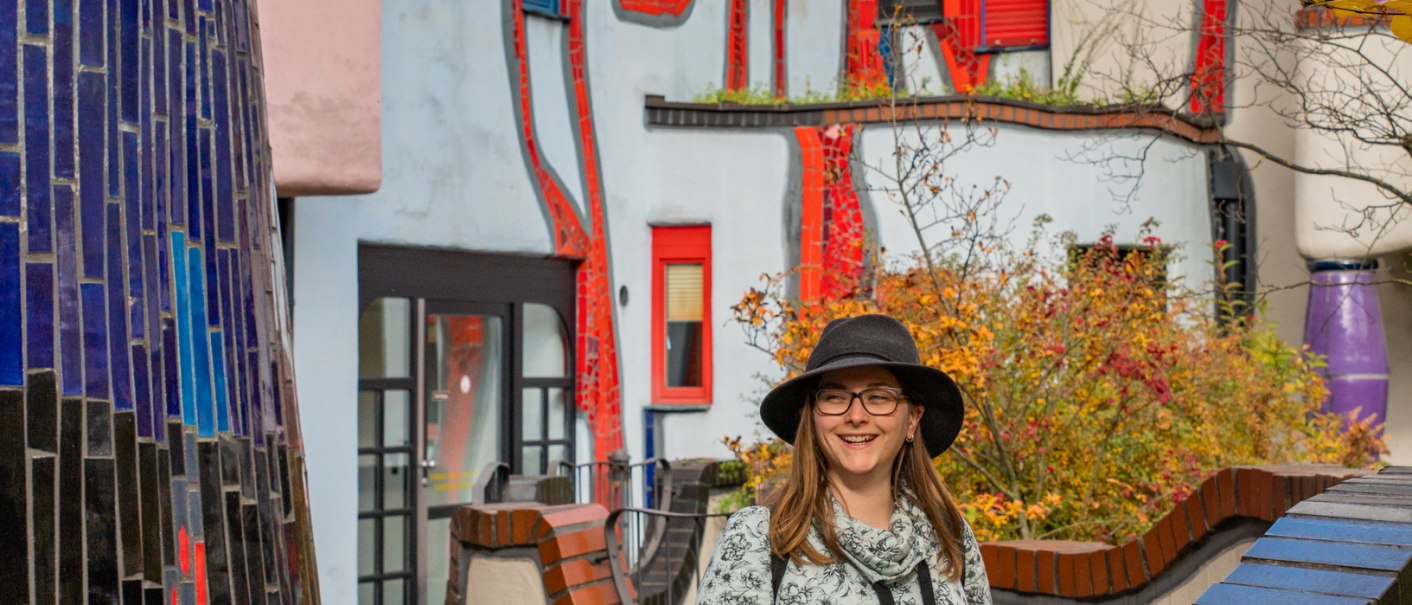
column 323, row 86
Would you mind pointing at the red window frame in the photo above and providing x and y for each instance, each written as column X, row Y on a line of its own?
column 678, row 244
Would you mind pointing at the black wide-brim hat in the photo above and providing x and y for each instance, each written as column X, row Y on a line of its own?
column 871, row 340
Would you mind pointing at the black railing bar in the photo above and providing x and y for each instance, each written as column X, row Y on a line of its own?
column 381, row 514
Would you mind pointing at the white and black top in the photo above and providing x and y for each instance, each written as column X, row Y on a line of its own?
column 900, row 561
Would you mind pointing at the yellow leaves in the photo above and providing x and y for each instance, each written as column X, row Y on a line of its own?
column 1401, row 26
column 1398, row 13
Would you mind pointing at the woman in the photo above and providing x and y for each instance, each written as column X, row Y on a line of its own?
column 862, row 517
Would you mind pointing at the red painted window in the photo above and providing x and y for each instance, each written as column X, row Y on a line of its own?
column 1014, row 23
column 681, row 314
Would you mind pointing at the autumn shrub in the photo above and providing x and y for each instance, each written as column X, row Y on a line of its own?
column 1099, row 391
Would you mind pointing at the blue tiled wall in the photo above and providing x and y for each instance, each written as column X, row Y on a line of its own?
column 140, row 366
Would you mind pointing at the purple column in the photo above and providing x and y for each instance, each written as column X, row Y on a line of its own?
column 1345, row 324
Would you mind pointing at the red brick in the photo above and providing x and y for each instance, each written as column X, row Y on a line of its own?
column 1181, row 529
column 1045, row 564
column 485, row 528
column 1284, row 487
column 1161, row 535
column 1064, row 564
column 1225, row 489
column 573, row 544
column 598, row 594
column 999, row 565
column 1210, row 502
column 1196, row 517
column 1132, row 564
column 1083, row 574
column 1098, row 570
column 503, row 535
column 573, row 573
column 1118, row 569
column 558, row 517
column 1025, row 570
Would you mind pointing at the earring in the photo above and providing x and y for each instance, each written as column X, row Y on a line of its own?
column 909, row 439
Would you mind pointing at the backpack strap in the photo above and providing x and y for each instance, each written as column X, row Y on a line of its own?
column 777, row 565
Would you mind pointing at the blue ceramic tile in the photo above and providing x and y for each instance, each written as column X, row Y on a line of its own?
column 200, row 344
column 91, row 94
column 242, row 30
column 37, row 17
column 162, row 272
column 203, row 42
column 10, row 184
column 184, row 329
column 11, row 317
column 141, row 390
column 225, row 203
column 113, row 100
column 173, row 9
column 188, row 16
column 40, row 223
column 9, row 73
column 193, row 152
column 90, row 32
column 159, row 71
column 218, row 371
column 70, row 323
column 39, row 314
column 128, row 47
column 158, row 379
column 147, row 192
column 119, row 365
column 132, row 210
column 152, row 307
column 63, row 83
column 95, row 342
column 232, row 336
column 172, row 368
column 161, row 186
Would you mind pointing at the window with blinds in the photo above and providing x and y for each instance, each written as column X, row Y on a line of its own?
column 681, row 315
column 909, row 11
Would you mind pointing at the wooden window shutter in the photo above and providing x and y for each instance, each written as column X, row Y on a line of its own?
column 1015, row 23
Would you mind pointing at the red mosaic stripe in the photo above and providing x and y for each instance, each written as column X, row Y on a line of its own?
column 811, row 225
column 843, row 216
column 864, row 64
column 737, row 49
column 1208, row 81
column 781, row 83
column 672, row 8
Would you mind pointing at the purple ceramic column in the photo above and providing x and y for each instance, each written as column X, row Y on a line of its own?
column 1345, row 324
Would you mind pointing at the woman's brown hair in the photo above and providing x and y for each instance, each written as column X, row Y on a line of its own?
column 803, row 500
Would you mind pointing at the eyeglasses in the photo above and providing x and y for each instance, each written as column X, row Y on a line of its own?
column 878, row 401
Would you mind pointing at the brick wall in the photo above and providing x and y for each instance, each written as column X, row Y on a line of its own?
column 567, row 540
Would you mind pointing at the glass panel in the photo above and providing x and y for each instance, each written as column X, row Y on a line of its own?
column 465, row 363
column 394, row 544
column 557, row 454
column 366, row 590
column 684, row 298
column 385, row 339
column 558, row 414
column 367, row 419
column 397, row 421
column 532, row 412
column 534, row 460
column 396, row 475
column 367, row 486
column 367, row 533
column 546, row 344
column 394, row 592
column 436, row 558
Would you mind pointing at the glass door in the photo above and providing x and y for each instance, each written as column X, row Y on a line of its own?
column 466, row 382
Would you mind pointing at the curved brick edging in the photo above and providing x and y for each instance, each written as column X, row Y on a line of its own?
column 1318, row 17
column 568, row 540
column 661, row 112
column 1095, row 570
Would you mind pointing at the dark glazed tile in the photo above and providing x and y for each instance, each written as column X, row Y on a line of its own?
column 46, row 564
column 259, row 547
column 149, row 493
column 39, row 314
column 11, row 315
column 235, row 537
column 101, row 516
column 37, row 179
column 129, row 507
column 132, row 591
column 100, row 429
column 175, row 444
column 170, row 369
column 70, row 323
column 9, row 73
column 152, row 595
column 119, row 365
column 95, row 342
column 212, row 517
column 71, row 507
column 14, row 529
column 62, row 79
column 248, row 487
column 285, row 493
column 92, row 91
column 10, row 184
column 42, row 411
column 230, row 461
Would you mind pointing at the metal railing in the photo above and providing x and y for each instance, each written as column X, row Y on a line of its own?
column 618, row 483
column 663, row 570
